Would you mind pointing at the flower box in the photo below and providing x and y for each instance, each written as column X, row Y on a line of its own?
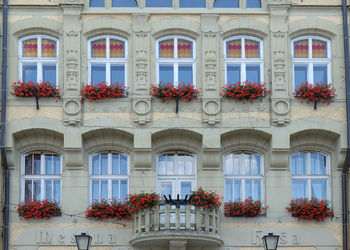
column 166, row 92
column 108, row 209
column 246, row 91
column 247, row 208
column 324, row 93
column 205, row 199
column 40, row 209
column 305, row 209
column 137, row 202
column 32, row 89
column 103, row 91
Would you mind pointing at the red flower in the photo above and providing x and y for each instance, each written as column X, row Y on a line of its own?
column 313, row 93
column 39, row 209
column 313, row 209
column 103, row 91
column 247, row 208
column 30, row 89
column 244, row 91
column 108, row 209
column 167, row 92
column 137, row 202
column 205, row 199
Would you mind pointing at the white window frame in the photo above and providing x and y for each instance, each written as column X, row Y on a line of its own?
column 243, row 61
column 176, row 180
column 109, row 177
column 310, row 62
column 243, row 177
column 41, row 177
column 308, row 177
column 38, row 61
column 175, row 61
column 107, row 60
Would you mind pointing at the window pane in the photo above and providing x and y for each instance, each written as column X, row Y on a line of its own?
column 318, row 164
column 115, row 190
column 166, row 188
column 166, row 74
column 299, row 164
column 233, row 74
column 95, row 190
column 57, row 190
column 98, row 48
column 28, row 164
column 228, row 165
column 185, row 189
column 253, row 4
column 104, row 164
column 29, row 73
column 319, row 49
column 251, row 49
column 192, row 3
column 226, row 4
column 184, row 49
column 98, row 74
column 181, row 164
column 255, row 165
column 37, row 165
column 185, row 74
column 118, row 74
column 234, row 49
column 28, row 189
column 104, row 190
column 162, row 165
column 320, row 74
column 257, row 190
column 30, row 48
column 48, row 189
column 48, row 164
column 301, row 49
column 300, row 75
column 248, row 189
column 96, row 164
column 299, row 188
column 166, row 48
column 115, row 164
column 57, row 164
column 159, row 3
column 49, row 73
column 97, row 3
column 189, row 165
column 123, row 165
column 237, row 190
column 124, row 3
column 116, row 48
column 247, row 164
column 228, row 190
column 36, row 189
column 319, row 189
column 237, row 164
column 253, row 73
column 123, row 189
column 48, row 48
column 170, row 165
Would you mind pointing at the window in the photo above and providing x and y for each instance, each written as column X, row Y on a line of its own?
column 109, row 176
column 159, row 3
column 243, row 59
column 253, row 4
column 107, row 60
column 175, row 61
column 310, row 175
column 124, row 3
column 38, row 59
column 192, row 3
column 176, row 173
column 97, row 3
column 244, row 176
column 226, row 4
column 41, row 176
column 311, row 60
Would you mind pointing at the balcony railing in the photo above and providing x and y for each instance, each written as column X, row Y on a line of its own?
column 186, row 222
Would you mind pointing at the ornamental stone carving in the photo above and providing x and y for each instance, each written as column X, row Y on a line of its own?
column 142, row 108
column 72, row 108
column 281, row 111
column 211, row 111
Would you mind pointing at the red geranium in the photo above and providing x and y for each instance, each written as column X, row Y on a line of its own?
column 314, row 93
column 40, row 89
column 108, row 209
column 168, row 91
column 205, row 199
column 245, row 91
column 247, row 208
column 313, row 209
column 103, row 91
column 137, row 202
column 40, row 209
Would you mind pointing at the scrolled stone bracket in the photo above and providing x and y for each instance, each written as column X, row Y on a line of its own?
column 211, row 110
column 142, row 110
column 280, row 111
column 72, row 111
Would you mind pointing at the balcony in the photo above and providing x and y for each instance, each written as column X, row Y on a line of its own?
column 185, row 225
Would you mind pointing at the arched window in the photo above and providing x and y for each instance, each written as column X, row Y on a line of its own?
column 176, row 173
column 226, row 4
column 109, row 176
column 38, row 59
column 192, row 3
column 97, row 3
column 243, row 59
column 310, row 175
column 311, row 60
column 159, row 3
column 244, row 176
column 41, row 176
column 124, row 3
column 107, row 57
column 176, row 60
column 253, row 4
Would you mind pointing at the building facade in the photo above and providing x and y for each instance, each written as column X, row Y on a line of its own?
column 274, row 149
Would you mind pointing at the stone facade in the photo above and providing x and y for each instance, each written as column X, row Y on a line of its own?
column 142, row 127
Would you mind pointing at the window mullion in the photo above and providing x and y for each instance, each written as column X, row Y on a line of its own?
column 108, row 73
column 109, row 188
column 310, row 72
column 243, row 72
column 39, row 72
column 176, row 74
column 243, row 48
column 310, row 48
column 243, row 189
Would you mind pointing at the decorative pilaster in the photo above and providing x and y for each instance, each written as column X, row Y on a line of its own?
column 280, row 114
column 71, row 44
column 211, row 86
